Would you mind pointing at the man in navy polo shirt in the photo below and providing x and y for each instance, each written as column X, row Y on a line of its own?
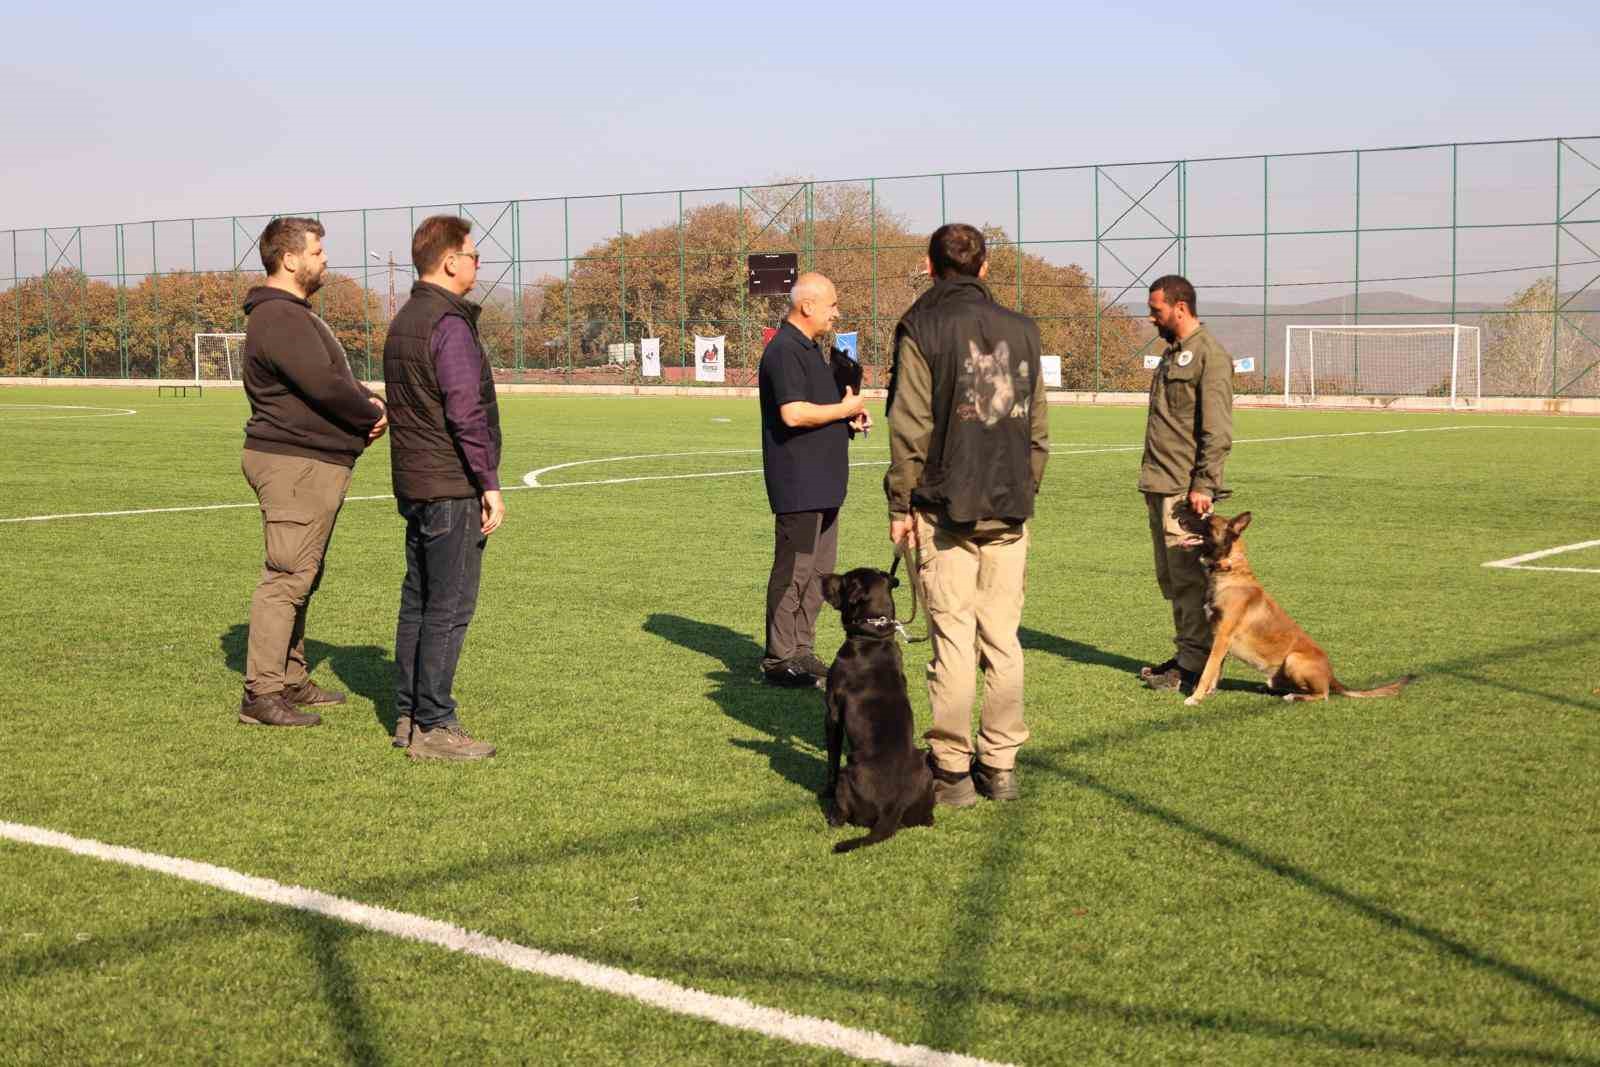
column 805, row 455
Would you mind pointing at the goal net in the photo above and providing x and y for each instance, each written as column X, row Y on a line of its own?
column 218, row 357
column 1424, row 360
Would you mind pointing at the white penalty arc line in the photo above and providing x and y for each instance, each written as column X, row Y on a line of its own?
column 27, row 411
column 535, row 484
column 1516, row 563
column 733, row 1012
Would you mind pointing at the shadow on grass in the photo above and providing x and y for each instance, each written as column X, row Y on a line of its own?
column 1380, row 915
column 367, row 670
column 1078, row 652
column 792, row 718
column 324, row 939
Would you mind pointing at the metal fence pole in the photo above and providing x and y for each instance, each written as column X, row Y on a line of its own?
column 683, row 295
column 566, row 272
column 622, row 278
column 1555, row 297
column 1266, row 277
column 1097, row 279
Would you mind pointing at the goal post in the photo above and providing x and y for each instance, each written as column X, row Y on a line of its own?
column 1442, row 360
column 218, row 357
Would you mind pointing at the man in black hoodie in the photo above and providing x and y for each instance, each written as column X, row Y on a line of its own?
column 968, row 438
column 309, row 421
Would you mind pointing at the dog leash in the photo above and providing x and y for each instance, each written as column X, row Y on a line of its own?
column 913, row 569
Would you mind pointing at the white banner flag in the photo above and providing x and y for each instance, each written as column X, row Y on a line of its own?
column 1050, row 367
column 1245, row 366
column 1152, row 362
column 650, row 357
column 710, row 354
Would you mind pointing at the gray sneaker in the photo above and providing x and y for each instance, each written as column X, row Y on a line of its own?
column 448, row 743
column 274, row 710
column 995, row 784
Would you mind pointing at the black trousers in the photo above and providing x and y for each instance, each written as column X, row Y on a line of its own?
column 444, row 560
column 805, row 546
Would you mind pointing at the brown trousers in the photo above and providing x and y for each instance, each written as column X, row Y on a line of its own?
column 1182, row 580
column 805, row 547
column 300, row 501
column 973, row 589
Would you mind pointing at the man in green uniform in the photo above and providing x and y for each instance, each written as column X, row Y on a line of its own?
column 1187, row 436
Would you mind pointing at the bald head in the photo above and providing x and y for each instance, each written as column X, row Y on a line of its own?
column 813, row 304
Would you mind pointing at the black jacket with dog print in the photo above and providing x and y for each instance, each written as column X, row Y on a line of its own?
column 968, row 429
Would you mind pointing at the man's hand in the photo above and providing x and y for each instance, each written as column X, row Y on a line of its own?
column 1199, row 503
column 494, row 510
column 862, row 422
column 902, row 528
column 383, row 420
column 852, row 404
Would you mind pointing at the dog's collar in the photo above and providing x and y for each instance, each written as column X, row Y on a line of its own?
column 880, row 626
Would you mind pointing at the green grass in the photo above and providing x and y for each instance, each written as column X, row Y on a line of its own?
column 1402, row 881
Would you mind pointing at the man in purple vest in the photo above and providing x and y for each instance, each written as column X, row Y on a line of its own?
column 445, row 456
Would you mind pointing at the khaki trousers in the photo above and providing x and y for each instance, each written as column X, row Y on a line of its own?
column 1182, row 580
column 972, row 589
column 300, row 500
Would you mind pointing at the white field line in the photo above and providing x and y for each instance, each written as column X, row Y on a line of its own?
column 27, row 409
column 1516, row 563
column 535, row 484
column 734, row 1012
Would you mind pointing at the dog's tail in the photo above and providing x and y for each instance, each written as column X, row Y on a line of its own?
column 888, row 822
column 1392, row 689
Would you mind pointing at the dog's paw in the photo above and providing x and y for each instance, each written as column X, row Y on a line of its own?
column 1192, row 701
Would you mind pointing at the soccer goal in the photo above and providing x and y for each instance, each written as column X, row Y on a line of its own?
column 218, row 357
column 1442, row 360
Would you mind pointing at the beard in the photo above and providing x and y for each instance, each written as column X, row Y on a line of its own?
column 1168, row 334
column 309, row 279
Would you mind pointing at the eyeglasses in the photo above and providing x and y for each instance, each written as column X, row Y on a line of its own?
column 474, row 256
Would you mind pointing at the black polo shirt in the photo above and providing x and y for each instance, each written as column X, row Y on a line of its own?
column 805, row 469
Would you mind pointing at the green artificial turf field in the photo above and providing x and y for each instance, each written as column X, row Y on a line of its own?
column 1414, row 880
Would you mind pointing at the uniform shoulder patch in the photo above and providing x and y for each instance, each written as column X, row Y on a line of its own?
column 1185, row 358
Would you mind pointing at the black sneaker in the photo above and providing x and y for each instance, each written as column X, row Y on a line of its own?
column 812, row 666
column 1174, row 678
column 787, row 675
column 1160, row 668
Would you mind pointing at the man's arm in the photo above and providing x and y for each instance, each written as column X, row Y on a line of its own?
column 1214, row 439
column 458, row 364
column 803, row 415
column 910, row 430
column 295, row 347
column 1039, row 431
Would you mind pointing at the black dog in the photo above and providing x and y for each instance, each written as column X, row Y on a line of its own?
column 887, row 783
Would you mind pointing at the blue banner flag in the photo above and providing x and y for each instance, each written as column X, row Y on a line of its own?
column 847, row 343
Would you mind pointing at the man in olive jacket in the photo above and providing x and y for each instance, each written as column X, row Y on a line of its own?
column 1188, row 434
column 309, row 421
column 968, row 439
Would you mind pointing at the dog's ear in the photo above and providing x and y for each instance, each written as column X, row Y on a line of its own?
column 894, row 583
column 831, row 586
column 1237, row 524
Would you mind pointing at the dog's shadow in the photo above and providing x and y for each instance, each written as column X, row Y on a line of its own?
column 366, row 670
column 1078, row 652
column 791, row 718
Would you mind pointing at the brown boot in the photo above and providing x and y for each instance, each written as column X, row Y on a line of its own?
column 309, row 694
column 448, row 743
column 402, row 731
column 273, row 709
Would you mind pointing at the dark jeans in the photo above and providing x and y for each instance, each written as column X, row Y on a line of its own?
column 444, row 558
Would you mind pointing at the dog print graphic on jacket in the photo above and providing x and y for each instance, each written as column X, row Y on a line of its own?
column 991, row 388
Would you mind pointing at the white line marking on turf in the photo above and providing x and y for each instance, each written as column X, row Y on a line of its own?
column 734, row 1012
column 26, row 409
column 1515, row 563
column 535, row 484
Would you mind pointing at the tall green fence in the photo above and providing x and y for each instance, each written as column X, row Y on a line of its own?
column 1503, row 236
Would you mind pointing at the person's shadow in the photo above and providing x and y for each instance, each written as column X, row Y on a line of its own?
column 1078, row 652
column 791, row 718
column 366, row 670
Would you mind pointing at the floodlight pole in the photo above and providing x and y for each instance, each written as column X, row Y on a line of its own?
column 374, row 255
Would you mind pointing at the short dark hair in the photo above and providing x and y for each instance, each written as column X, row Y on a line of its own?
column 1175, row 287
column 283, row 236
column 437, row 237
column 956, row 248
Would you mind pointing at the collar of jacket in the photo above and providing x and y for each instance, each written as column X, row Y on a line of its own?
column 958, row 287
column 468, row 309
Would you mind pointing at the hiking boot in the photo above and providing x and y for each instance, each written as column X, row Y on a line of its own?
column 951, row 789
column 993, row 783
column 309, row 694
column 814, row 667
column 272, row 709
column 402, row 732
column 447, row 742
column 1146, row 673
column 1174, row 677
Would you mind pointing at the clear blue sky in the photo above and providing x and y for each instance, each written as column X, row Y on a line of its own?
column 123, row 112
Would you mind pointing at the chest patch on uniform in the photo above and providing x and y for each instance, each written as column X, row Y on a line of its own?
column 1185, row 358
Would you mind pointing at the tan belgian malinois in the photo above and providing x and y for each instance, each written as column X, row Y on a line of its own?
column 1250, row 624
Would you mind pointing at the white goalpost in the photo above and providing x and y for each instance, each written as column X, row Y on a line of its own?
column 1434, row 359
column 218, row 357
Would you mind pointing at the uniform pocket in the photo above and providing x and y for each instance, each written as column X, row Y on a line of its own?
column 288, row 536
